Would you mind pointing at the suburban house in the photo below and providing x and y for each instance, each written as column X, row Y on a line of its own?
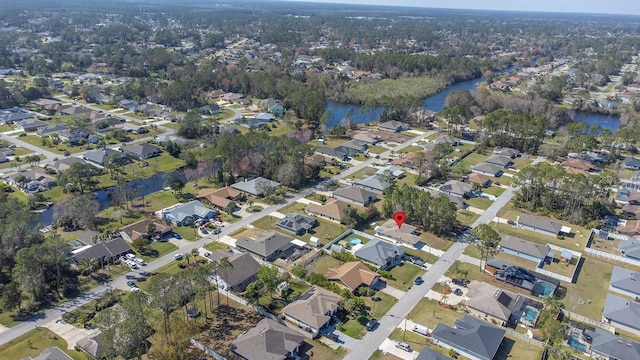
column 339, row 152
column 74, row 110
column 130, row 105
column 607, row 346
column 373, row 183
column 628, row 227
column 487, row 169
column 630, row 249
column 625, row 282
column 50, row 353
column 10, row 117
column 211, row 109
column 622, row 313
column 471, row 337
column 428, row 354
column 524, row 249
column 99, row 156
column 353, row 274
column 220, row 198
column 31, row 124
column 142, row 151
column 383, row 254
column 541, row 225
column 355, row 195
column 579, row 164
column 457, row 201
column 631, row 211
column 140, row 229
column 406, row 233
column 242, row 273
column 296, row 223
column 506, row 151
column 538, row 284
column 74, row 136
column 632, row 163
column 392, row 170
column 333, row 210
column 107, row 251
column 357, row 145
column 367, row 137
column 270, row 246
column 447, row 139
column 91, row 344
column 256, row 186
column 50, row 129
column 393, row 126
column 312, row 310
column 182, row 214
column 479, row 179
column 500, row 160
column 456, row 188
column 31, row 180
column 265, row 117
column 267, row 340
column 493, row 304
column 273, row 106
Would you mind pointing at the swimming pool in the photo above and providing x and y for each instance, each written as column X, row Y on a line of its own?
column 575, row 343
column 355, row 241
column 545, row 289
column 530, row 314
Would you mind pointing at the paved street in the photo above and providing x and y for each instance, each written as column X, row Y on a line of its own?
column 120, row 282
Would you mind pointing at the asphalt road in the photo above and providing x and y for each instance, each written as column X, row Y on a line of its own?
column 121, row 282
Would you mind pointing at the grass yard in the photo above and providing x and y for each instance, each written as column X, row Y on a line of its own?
column 186, row 232
column 324, row 263
column 376, row 149
column 472, row 160
column 466, row 217
column 158, row 249
column 5, row 127
column 20, row 151
column 214, row 245
column 411, row 148
column 479, row 202
column 592, row 283
column 518, row 349
column 379, row 355
column 436, row 242
column 404, row 275
column 325, row 230
column 164, row 162
column 36, row 140
column 577, row 243
column 503, row 180
column 32, row 343
column 493, row 190
column 362, row 173
column 428, row 313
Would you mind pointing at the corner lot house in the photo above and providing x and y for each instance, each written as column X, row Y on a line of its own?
column 407, row 234
column 267, row 340
column 270, row 246
column 622, row 313
column 625, row 282
column 313, row 309
column 383, row 254
column 608, row 346
column 256, row 186
column 355, row 195
column 142, row 151
column 541, row 225
column 524, row 249
column 473, row 338
column 105, row 251
column 183, row 214
column 242, row 273
column 353, row 274
column 296, row 223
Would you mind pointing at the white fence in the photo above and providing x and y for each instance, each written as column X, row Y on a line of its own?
column 586, row 320
column 208, row 351
column 554, row 275
column 524, row 337
column 607, row 255
column 558, row 248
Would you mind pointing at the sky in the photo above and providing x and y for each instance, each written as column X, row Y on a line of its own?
column 629, row 7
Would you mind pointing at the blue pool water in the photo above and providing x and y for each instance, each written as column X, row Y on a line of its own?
column 355, row 241
column 530, row 314
column 545, row 289
column 575, row 343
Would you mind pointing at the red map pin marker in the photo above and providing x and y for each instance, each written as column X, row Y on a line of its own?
column 399, row 217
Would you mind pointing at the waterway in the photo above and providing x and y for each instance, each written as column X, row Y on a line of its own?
column 606, row 121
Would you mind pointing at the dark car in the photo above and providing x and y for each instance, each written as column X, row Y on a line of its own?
column 416, row 260
column 177, row 236
column 458, row 292
column 332, row 336
column 132, row 284
column 145, row 273
column 216, row 231
column 418, row 280
column 371, row 324
column 459, row 282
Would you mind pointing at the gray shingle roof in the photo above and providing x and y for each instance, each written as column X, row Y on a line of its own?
column 244, row 270
column 471, row 335
column 493, row 301
column 52, row 353
column 296, row 223
column 487, row 168
column 612, row 345
column 314, row 307
column 630, row 248
column 622, row 311
column 626, row 280
column 525, row 247
column 355, row 194
column 100, row 155
column 267, row 244
column 372, row 182
column 539, row 223
column 267, row 340
column 255, row 186
column 194, row 207
column 499, row 160
column 113, row 248
column 379, row 252
column 456, row 187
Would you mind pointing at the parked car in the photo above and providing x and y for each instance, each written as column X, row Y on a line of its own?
column 418, row 280
column 457, row 291
column 459, row 282
column 132, row 284
column 216, row 231
column 415, row 260
column 130, row 277
column 203, row 230
column 371, row 324
column 177, row 257
column 404, row 346
column 145, row 273
column 177, row 236
column 207, row 254
column 332, row 336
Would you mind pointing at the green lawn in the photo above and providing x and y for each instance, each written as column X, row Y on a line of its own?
column 479, row 202
column 158, row 249
column 493, row 190
column 376, row 149
column 428, row 313
column 592, row 284
column 186, row 232
column 404, row 275
column 518, row 349
column 160, row 200
column 472, row 160
column 324, row 263
column 58, row 149
column 466, row 217
column 576, row 243
column 213, row 246
column 20, row 151
column 164, row 162
column 32, row 343
column 325, row 230
column 362, row 173
column 5, row 127
column 411, row 148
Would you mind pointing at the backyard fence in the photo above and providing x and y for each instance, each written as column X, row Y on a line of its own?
column 586, row 320
column 524, row 337
column 554, row 275
column 607, row 255
column 208, row 351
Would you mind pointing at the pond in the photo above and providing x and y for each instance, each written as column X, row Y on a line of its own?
column 606, row 121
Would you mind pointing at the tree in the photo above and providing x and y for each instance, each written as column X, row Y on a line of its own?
column 82, row 210
column 225, row 266
column 78, row 176
column 140, row 244
column 269, row 278
column 488, row 241
column 164, row 296
column 173, row 181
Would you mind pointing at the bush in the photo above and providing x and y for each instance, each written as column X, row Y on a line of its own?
column 299, row 272
column 344, row 257
column 386, row 274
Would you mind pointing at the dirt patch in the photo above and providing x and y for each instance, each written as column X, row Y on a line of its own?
column 228, row 323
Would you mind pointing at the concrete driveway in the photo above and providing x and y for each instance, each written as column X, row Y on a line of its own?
column 68, row 332
column 389, row 346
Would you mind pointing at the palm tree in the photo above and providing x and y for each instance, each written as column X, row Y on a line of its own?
column 444, row 299
column 151, row 230
column 225, row 265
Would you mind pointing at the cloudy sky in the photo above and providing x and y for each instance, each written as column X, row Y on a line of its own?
column 580, row 6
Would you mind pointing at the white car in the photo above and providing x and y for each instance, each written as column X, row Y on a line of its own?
column 177, row 257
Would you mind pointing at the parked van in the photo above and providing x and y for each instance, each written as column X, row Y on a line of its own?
column 421, row 329
column 131, row 256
